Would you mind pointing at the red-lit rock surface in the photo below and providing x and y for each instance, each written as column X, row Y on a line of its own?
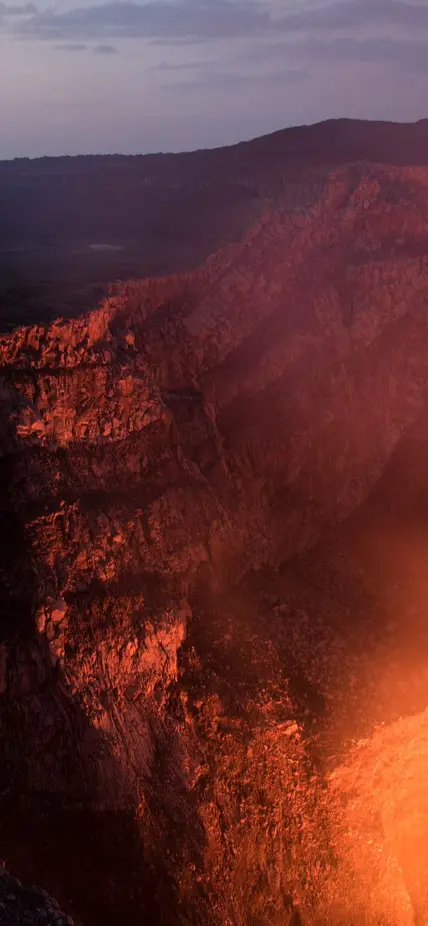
column 190, row 627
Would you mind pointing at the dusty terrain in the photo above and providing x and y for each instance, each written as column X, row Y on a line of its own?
column 213, row 663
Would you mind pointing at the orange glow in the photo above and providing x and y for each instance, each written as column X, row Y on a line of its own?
column 379, row 805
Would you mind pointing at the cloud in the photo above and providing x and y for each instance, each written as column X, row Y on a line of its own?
column 409, row 55
column 402, row 54
column 10, row 13
column 351, row 14
column 214, row 80
column 105, row 50
column 70, row 46
column 201, row 20
column 198, row 21
column 183, row 66
column 26, row 9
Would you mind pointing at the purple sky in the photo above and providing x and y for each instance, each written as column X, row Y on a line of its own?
column 78, row 76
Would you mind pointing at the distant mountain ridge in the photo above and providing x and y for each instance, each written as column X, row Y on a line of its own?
column 165, row 213
column 351, row 132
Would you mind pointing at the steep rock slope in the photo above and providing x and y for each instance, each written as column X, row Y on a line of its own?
column 159, row 457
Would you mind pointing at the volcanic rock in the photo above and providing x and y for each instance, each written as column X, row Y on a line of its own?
column 184, row 619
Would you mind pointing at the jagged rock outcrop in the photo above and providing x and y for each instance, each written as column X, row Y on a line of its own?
column 159, row 457
column 20, row 906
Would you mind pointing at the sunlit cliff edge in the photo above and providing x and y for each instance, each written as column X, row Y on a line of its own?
column 202, row 623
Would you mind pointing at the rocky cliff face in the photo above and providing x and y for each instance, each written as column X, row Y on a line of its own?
column 176, row 668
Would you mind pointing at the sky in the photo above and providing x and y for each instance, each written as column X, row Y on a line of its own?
column 78, row 76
